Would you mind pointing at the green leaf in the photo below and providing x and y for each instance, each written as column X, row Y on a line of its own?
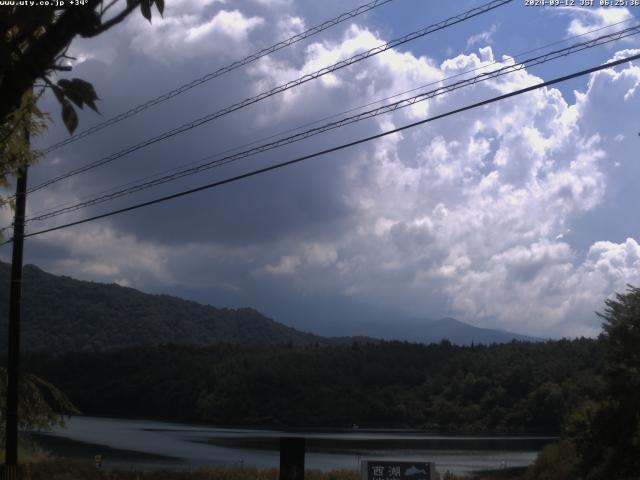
column 69, row 116
column 80, row 92
column 71, row 93
column 160, row 5
column 86, row 91
column 58, row 93
column 145, row 8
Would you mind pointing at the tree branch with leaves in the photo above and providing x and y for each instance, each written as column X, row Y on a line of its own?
column 42, row 405
column 33, row 46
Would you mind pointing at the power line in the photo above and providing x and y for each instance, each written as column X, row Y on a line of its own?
column 281, row 88
column 221, row 71
column 315, row 122
column 604, row 39
column 339, row 147
column 548, row 45
column 91, row 199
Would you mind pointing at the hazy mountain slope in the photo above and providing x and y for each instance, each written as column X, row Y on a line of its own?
column 465, row 334
column 425, row 330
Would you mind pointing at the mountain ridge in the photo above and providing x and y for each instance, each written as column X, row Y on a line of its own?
column 62, row 314
column 467, row 334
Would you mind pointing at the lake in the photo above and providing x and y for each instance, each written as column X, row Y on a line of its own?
column 147, row 444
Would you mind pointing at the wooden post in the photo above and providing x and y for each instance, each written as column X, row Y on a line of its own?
column 15, row 303
column 292, row 458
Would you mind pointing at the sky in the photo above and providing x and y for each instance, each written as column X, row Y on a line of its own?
column 517, row 215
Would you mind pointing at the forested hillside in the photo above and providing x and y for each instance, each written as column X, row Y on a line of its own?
column 516, row 387
column 61, row 314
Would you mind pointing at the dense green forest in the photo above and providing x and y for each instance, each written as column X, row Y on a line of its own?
column 517, row 387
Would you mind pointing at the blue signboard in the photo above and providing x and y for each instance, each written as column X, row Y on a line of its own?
column 397, row 470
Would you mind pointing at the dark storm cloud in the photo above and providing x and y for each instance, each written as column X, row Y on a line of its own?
column 255, row 210
column 436, row 221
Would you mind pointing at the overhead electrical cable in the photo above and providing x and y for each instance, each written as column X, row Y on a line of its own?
column 392, row 107
column 315, row 122
column 335, row 115
column 337, row 148
column 281, row 88
column 221, row 71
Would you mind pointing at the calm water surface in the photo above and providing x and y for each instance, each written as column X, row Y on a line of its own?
column 146, row 444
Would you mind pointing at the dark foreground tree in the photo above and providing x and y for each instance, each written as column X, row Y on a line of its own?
column 33, row 45
column 606, row 432
column 41, row 406
column 14, row 147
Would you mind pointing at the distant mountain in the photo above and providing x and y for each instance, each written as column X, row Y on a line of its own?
column 462, row 333
column 61, row 314
column 424, row 330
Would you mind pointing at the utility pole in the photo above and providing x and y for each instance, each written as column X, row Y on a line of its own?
column 13, row 370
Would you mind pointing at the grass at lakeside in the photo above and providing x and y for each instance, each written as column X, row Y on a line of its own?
column 38, row 464
column 66, row 469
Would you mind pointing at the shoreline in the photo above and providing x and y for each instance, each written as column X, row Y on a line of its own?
column 453, row 434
